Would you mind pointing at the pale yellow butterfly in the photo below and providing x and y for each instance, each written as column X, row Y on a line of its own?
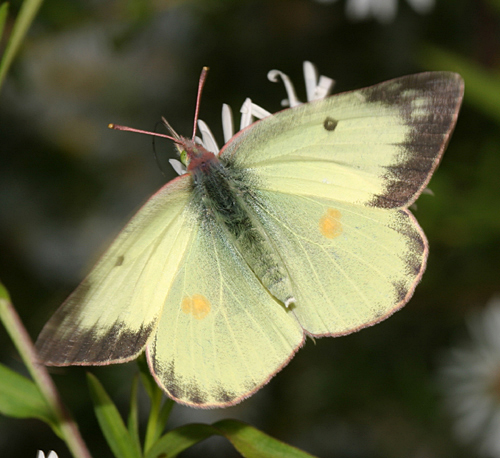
column 298, row 226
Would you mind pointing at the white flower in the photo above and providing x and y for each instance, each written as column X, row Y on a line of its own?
column 317, row 87
column 51, row 454
column 382, row 10
column 470, row 378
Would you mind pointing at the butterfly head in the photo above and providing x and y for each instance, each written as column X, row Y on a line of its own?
column 193, row 155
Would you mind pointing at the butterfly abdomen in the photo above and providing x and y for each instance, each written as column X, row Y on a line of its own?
column 221, row 191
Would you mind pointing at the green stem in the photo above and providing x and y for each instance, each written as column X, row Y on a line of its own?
column 41, row 377
column 27, row 13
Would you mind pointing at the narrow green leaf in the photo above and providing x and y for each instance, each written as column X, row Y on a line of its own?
column 133, row 416
column 21, row 398
column 166, row 408
column 247, row 440
column 482, row 86
column 158, row 413
column 252, row 443
column 157, row 422
column 63, row 426
column 179, row 439
column 153, row 431
column 4, row 294
column 112, row 426
column 146, row 377
column 4, row 9
column 24, row 19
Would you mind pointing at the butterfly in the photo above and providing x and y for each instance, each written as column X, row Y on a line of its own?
column 299, row 226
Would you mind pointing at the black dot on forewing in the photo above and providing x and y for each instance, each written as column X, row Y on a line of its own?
column 119, row 261
column 330, row 124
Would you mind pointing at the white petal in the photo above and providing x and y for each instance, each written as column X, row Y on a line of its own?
column 259, row 112
column 274, row 76
column 178, row 166
column 208, row 138
column 52, row 454
column 40, row 454
column 323, row 88
column 316, row 88
column 311, row 79
column 246, row 113
column 249, row 111
column 227, row 122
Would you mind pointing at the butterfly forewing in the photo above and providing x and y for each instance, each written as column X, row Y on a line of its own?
column 376, row 146
column 334, row 179
column 110, row 316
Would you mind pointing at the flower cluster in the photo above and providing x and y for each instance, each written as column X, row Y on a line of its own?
column 317, row 87
column 383, row 11
column 51, row 454
column 470, row 378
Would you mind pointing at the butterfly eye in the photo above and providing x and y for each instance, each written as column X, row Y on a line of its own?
column 184, row 158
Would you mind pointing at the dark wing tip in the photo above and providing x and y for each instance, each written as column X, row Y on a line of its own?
column 60, row 345
column 428, row 104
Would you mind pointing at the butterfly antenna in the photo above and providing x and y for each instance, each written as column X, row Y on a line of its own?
column 174, row 137
column 201, row 83
column 139, row 131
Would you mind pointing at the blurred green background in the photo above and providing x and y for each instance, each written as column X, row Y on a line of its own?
column 68, row 185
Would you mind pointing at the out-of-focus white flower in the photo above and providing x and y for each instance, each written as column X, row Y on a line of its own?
column 470, row 378
column 51, row 454
column 382, row 10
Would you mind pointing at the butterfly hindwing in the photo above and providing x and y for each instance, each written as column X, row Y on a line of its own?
column 112, row 313
column 222, row 335
column 376, row 146
column 350, row 266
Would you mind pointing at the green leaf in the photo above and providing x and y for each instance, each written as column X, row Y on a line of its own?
column 179, row 439
column 4, row 294
column 27, row 13
column 157, row 421
column 482, row 86
column 146, row 378
column 112, row 426
column 133, row 416
column 253, row 443
column 249, row 441
column 153, row 428
column 158, row 414
column 4, row 9
column 21, row 398
column 166, row 408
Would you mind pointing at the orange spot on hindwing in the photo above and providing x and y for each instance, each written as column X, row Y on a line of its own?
column 196, row 305
column 330, row 225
